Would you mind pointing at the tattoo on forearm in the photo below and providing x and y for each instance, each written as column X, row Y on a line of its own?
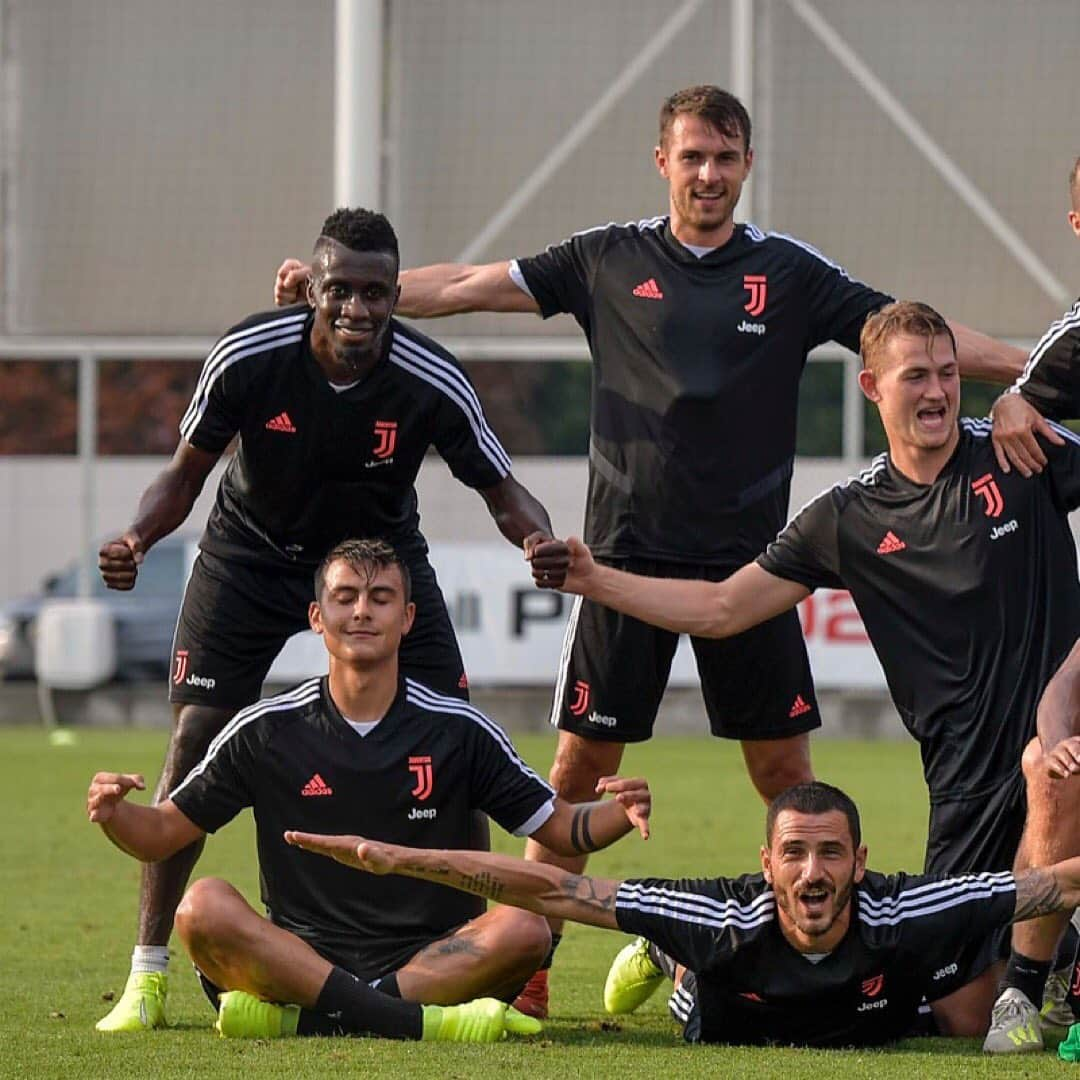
column 585, row 889
column 1037, row 894
column 483, row 884
column 427, row 869
column 580, row 838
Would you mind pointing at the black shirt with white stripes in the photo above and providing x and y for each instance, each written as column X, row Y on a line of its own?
column 414, row 779
column 315, row 465
column 968, row 589
column 1051, row 378
column 753, row 987
column 696, row 367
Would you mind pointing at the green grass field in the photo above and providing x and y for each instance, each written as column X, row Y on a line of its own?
column 68, row 904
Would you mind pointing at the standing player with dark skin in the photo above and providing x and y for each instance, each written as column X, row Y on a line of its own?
column 335, row 405
column 814, row 950
column 699, row 330
column 366, row 747
column 966, row 580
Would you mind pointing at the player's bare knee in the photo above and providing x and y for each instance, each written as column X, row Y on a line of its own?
column 579, row 763
column 1032, row 762
column 772, row 773
column 205, row 914
column 530, row 938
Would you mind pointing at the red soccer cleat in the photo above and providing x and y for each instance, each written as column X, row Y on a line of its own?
column 533, row 999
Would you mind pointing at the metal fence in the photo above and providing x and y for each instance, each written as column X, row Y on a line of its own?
column 88, row 352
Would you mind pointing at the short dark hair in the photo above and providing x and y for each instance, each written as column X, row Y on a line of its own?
column 901, row 317
column 1074, row 185
column 724, row 111
column 366, row 557
column 359, row 230
column 814, row 798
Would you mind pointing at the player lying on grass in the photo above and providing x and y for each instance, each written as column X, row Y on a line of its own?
column 815, row 950
column 361, row 748
column 966, row 580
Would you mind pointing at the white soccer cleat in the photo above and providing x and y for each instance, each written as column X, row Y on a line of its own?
column 1015, row 1026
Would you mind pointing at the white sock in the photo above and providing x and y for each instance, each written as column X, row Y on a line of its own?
column 146, row 958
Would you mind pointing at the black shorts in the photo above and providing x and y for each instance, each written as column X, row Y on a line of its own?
column 977, row 834
column 235, row 619
column 971, row 835
column 614, row 669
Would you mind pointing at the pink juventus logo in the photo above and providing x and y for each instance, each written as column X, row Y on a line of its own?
column 757, row 285
column 987, row 487
column 425, row 780
column 180, row 668
column 386, row 434
column 581, row 698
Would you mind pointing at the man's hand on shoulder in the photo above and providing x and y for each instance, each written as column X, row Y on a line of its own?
column 1016, row 423
column 633, row 795
column 290, row 282
column 354, row 851
column 119, row 561
column 107, row 791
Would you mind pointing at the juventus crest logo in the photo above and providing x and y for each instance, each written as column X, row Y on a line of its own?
column 757, row 285
column 986, row 486
column 581, row 698
column 420, row 767
column 386, row 436
column 180, row 670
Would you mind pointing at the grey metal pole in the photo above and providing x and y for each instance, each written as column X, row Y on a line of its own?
column 854, row 415
column 358, row 103
column 87, row 451
column 742, row 79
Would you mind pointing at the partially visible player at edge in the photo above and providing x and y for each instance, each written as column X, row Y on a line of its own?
column 966, row 580
column 1049, row 386
column 365, row 747
column 698, row 330
column 815, row 950
column 335, row 403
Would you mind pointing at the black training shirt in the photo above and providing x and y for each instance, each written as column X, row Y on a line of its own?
column 753, row 987
column 315, row 466
column 414, row 779
column 968, row 589
column 1051, row 378
column 696, row 366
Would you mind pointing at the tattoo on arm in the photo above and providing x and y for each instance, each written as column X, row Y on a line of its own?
column 483, row 884
column 428, row 869
column 580, row 838
column 1037, row 893
column 586, row 890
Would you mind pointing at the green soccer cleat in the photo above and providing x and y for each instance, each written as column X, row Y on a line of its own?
column 1055, row 1016
column 1014, row 1025
column 632, row 980
column 141, row 1005
column 484, row 1020
column 244, row 1016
